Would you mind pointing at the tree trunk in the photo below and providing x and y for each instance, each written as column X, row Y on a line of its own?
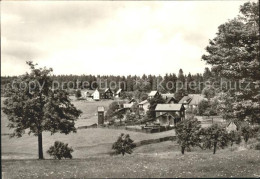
column 40, row 151
column 215, row 148
column 182, row 150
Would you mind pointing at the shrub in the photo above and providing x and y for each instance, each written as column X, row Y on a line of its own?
column 60, row 150
column 123, row 144
column 234, row 137
column 188, row 133
column 78, row 94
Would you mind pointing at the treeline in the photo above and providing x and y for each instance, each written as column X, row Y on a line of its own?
column 166, row 83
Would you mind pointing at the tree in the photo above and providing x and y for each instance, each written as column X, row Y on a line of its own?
column 153, row 103
column 36, row 107
column 215, row 136
column 202, row 107
column 234, row 137
column 246, row 131
column 234, row 54
column 124, row 144
column 188, row 133
column 78, row 94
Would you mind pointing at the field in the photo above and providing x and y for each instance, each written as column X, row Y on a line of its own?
column 86, row 142
column 91, row 155
column 142, row 164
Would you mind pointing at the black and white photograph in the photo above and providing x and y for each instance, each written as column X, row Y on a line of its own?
column 130, row 89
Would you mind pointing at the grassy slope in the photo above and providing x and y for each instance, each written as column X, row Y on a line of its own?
column 148, row 164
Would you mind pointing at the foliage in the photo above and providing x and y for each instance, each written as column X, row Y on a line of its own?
column 234, row 55
column 124, row 144
column 234, row 137
column 60, row 150
column 78, row 94
column 246, row 131
column 215, row 136
column 36, row 107
column 188, row 133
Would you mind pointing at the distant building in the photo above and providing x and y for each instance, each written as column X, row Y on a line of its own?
column 231, row 126
column 143, row 106
column 101, row 114
column 171, row 100
column 118, row 93
column 169, row 114
column 168, row 95
column 153, row 94
column 191, row 101
column 102, row 94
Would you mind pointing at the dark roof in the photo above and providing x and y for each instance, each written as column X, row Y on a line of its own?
column 169, row 107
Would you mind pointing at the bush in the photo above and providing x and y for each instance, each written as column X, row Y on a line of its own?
column 60, row 150
column 78, row 94
column 123, row 144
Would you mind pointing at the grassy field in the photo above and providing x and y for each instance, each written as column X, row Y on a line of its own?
column 147, row 161
column 86, row 142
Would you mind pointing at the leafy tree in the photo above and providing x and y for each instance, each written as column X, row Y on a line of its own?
column 234, row 137
column 188, row 133
column 153, row 103
column 202, row 107
column 215, row 136
column 234, row 55
column 78, row 94
column 246, row 131
column 36, row 107
column 60, row 150
column 124, row 144
column 209, row 92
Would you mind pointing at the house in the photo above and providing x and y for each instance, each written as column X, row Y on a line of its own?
column 168, row 95
column 191, row 101
column 171, row 100
column 231, row 126
column 102, row 94
column 127, row 107
column 101, row 114
column 143, row 106
column 118, row 93
column 87, row 94
column 169, row 114
column 153, row 94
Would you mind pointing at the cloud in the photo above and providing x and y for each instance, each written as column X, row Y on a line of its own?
column 110, row 37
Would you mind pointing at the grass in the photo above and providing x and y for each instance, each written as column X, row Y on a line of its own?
column 142, row 164
column 86, row 142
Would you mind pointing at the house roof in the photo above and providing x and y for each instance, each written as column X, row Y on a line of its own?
column 168, row 107
column 170, row 99
column 144, row 102
column 168, row 95
column 128, row 105
column 192, row 99
column 100, row 109
column 152, row 93
column 118, row 91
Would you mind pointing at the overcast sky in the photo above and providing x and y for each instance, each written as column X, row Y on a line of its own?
column 110, row 37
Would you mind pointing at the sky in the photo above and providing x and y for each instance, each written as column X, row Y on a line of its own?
column 110, row 37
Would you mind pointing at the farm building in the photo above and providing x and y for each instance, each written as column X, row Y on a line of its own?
column 118, row 93
column 169, row 114
column 143, row 106
column 102, row 94
column 192, row 100
column 87, row 94
column 231, row 126
column 171, row 100
column 153, row 94
column 101, row 114
column 167, row 96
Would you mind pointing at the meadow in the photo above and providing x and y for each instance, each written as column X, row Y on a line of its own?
column 92, row 148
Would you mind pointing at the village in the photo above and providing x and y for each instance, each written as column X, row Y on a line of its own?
column 167, row 114
column 130, row 89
